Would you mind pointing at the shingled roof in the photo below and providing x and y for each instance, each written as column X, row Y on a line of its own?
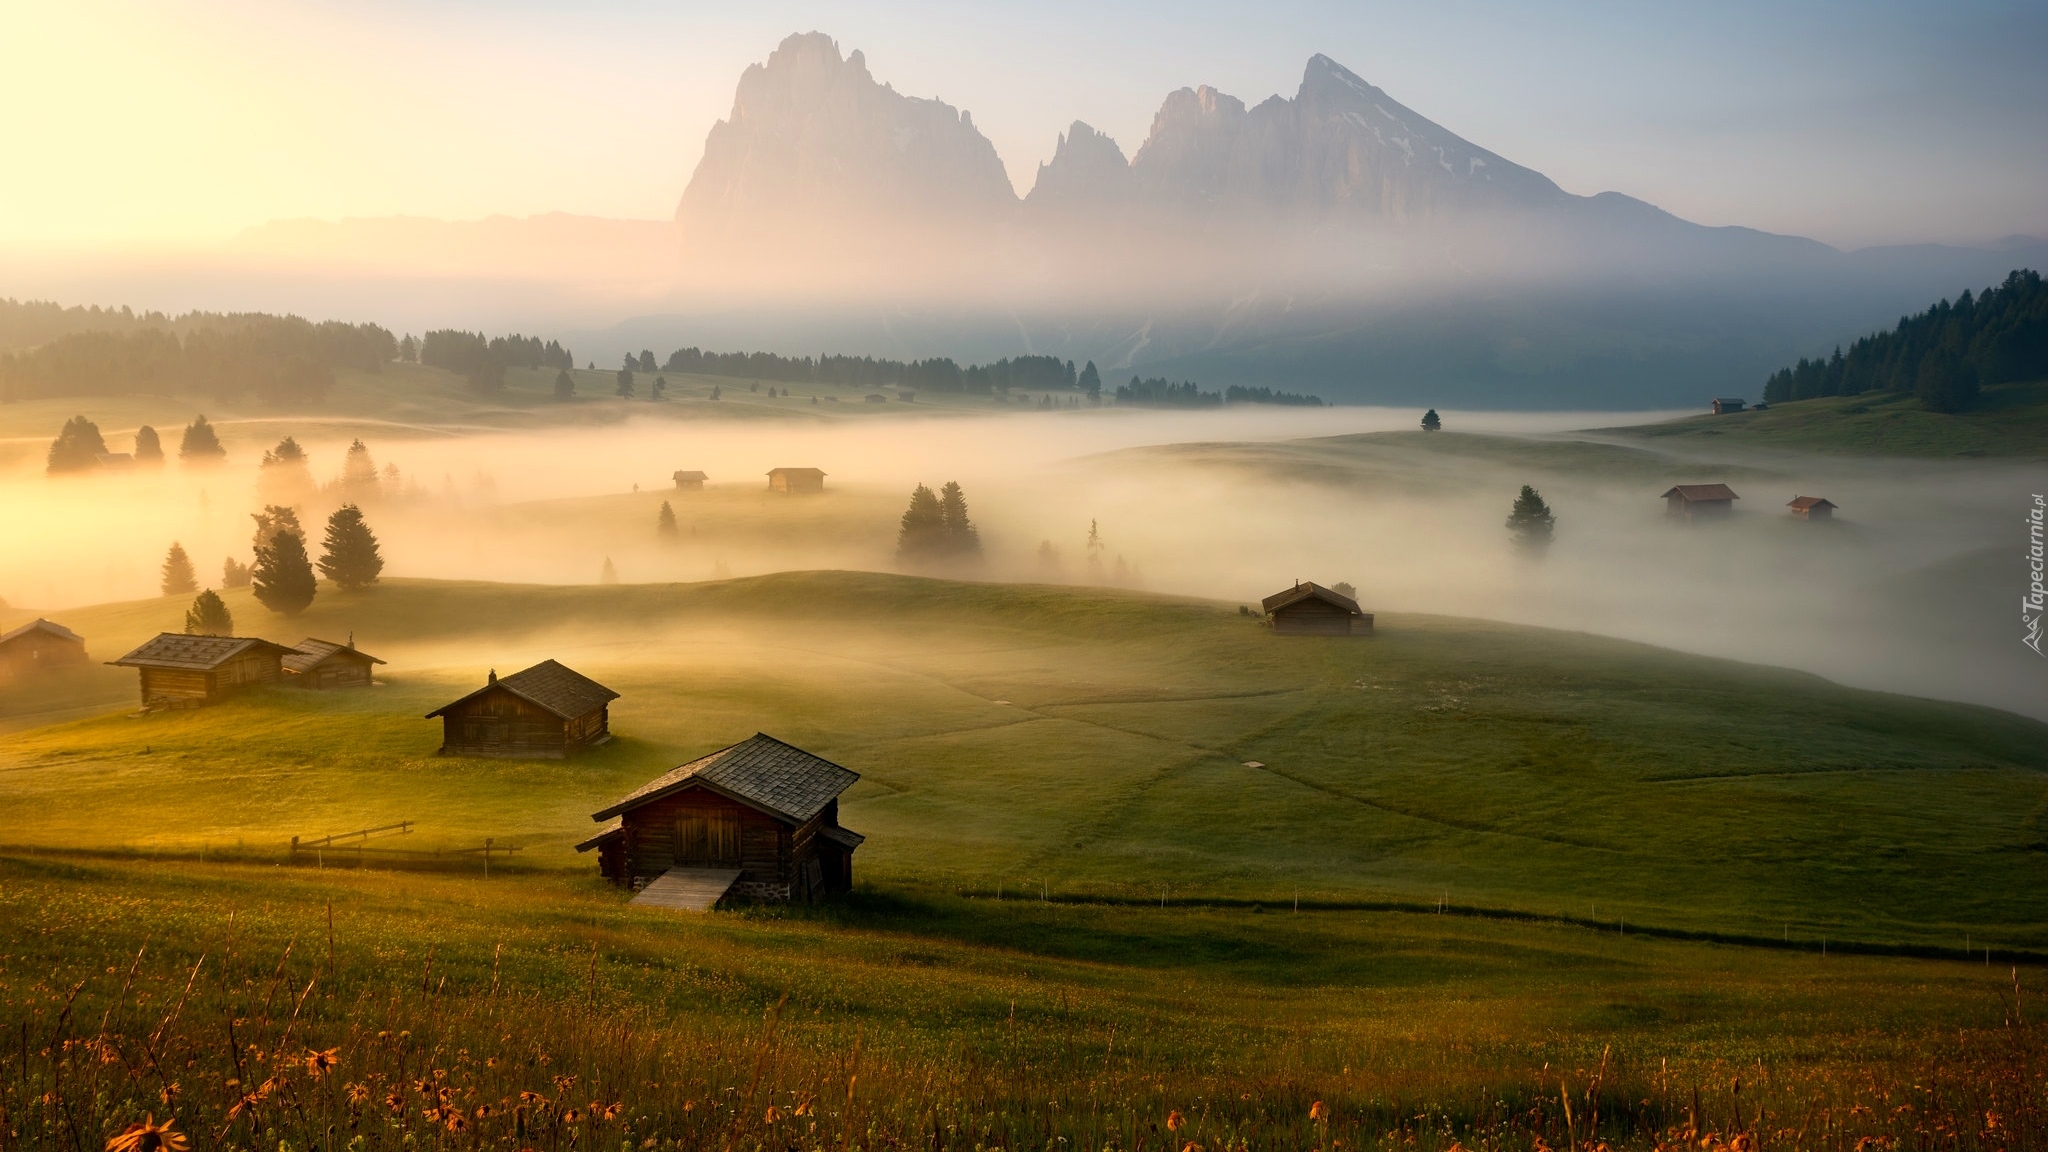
column 782, row 780
column 556, row 687
column 311, row 652
column 1695, row 492
column 41, row 625
column 1307, row 591
column 1803, row 503
column 193, row 653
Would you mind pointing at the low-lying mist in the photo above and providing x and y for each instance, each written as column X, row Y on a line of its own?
column 1907, row 591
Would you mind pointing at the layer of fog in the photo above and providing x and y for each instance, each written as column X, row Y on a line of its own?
column 1911, row 591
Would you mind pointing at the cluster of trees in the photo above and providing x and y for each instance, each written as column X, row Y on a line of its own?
column 1942, row 356
column 79, row 446
column 1163, row 393
column 275, row 358
column 936, row 527
column 482, row 360
column 282, row 576
column 939, row 374
column 1237, row 394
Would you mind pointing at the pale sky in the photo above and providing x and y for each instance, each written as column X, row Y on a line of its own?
column 136, row 125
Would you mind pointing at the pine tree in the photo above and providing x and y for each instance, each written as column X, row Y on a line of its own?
column 565, row 385
column 273, row 519
column 1094, row 548
column 608, row 574
column 660, row 389
column 282, row 576
column 178, row 579
column 209, row 616
column 717, row 392
column 665, row 525
column 409, row 349
column 284, row 477
column 234, row 573
column 625, row 389
column 78, row 447
column 961, row 537
column 1431, row 422
column 1530, row 523
column 349, row 554
column 358, row 474
column 646, row 360
column 199, row 444
column 1091, row 382
column 148, row 448
column 922, row 534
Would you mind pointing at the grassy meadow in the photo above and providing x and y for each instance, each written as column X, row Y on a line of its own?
column 2007, row 420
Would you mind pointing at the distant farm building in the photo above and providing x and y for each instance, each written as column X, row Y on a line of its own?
column 1723, row 407
column 877, row 398
column 325, row 664
column 39, row 646
column 1812, row 507
column 1313, row 610
column 1700, row 501
column 690, row 481
column 759, row 819
column 796, row 481
column 180, row 671
column 545, row 712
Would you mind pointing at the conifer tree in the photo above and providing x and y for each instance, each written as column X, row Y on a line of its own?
column 962, row 539
column 209, row 616
column 409, row 349
column 284, row 476
column 1094, row 548
column 234, row 573
column 1530, row 523
column 660, row 389
column 565, row 385
column 282, row 576
column 665, row 525
column 358, row 474
column 273, row 519
column 78, row 447
column 349, row 555
column 1431, row 422
column 624, row 391
column 922, row 533
column 178, row 579
column 609, row 574
column 200, row 445
column 1091, row 382
column 148, row 448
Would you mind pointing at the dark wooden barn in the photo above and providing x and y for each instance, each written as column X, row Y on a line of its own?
column 40, row 646
column 180, row 671
column 796, row 481
column 1723, row 407
column 1312, row 610
column 690, row 481
column 1812, row 507
column 760, row 818
column 544, row 712
column 1700, row 501
column 325, row 664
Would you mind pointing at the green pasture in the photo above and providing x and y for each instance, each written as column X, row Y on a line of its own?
column 2007, row 420
column 1089, row 743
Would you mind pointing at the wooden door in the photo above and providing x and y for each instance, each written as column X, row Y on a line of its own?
column 708, row 838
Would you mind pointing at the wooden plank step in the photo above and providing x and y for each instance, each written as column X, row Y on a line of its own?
column 688, row 889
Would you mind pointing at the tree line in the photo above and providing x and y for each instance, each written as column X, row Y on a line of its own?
column 1160, row 392
column 276, row 358
column 1942, row 356
column 482, row 360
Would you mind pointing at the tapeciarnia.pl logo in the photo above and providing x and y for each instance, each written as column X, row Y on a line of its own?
column 2036, row 599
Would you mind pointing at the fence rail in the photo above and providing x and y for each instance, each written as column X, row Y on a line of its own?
column 354, row 848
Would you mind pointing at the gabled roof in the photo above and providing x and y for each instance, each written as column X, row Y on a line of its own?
column 1310, row 591
column 796, row 472
column 780, row 779
column 311, row 652
column 1803, row 503
column 1692, row 492
column 194, row 653
column 687, row 475
column 550, row 685
column 41, row 625
column 846, row 837
column 614, row 829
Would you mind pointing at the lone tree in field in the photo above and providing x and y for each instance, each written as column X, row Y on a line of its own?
column 962, row 539
column 625, row 389
column 1530, row 524
column 609, row 574
column 282, row 577
column 284, row 476
column 199, row 445
column 148, row 448
column 358, row 474
column 78, row 447
column 1431, row 422
column 935, row 526
column 234, row 574
column 660, row 389
column 349, row 555
column 665, row 525
column 178, row 577
column 209, row 616
column 565, row 385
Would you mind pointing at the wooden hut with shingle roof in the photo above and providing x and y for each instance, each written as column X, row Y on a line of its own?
column 1309, row 609
column 766, row 811
column 545, row 712
column 181, row 671
column 40, row 646
column 1700, row 501
column 324, row 664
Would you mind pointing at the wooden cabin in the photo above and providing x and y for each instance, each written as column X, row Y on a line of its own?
column 690, row 481
column 796, row 481
column 545, row 712
column 180, row 671
column 40, row 646
column 762, row 811
column 1812, row 507
column 1722, row 407
column 1309, row 609
column 322, row 664
column 1700, row 501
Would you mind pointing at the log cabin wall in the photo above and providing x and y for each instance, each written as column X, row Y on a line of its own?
column 175, row 685
column 1312, row 617
column 248, row 668
column 655, row 833
column 499, row 723
column 37, row 651
column 335, row 672
column 590, row 728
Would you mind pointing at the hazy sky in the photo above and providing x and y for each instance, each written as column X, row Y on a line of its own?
column 136, row 124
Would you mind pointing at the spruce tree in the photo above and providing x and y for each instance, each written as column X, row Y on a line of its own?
column 148, row 448
column 200, row 445
column 282, row 577
column 358, row 474
column 565, row 385
column 624, row 391
column 962, row 539
column 178, row 579
column 78, row 447
column 922, row 534
column 349, row 555
column 1530, row 523
column 234, row 573
column 1091, row 382
column 609, row 574
column 1431, row 422
column 284, row 476
column 665, row 525
column 660, row 389
column 209, row 616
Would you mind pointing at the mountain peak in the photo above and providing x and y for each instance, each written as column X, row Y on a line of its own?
column 1087, row 168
